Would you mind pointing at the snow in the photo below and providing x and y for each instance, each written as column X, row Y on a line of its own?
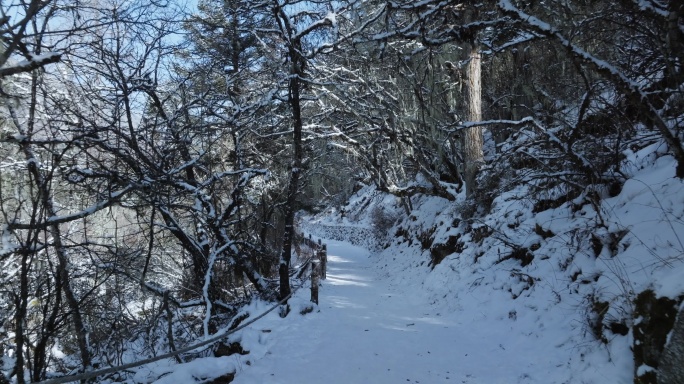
column 653, row 7
column 389, row 314
column 7, row 245
column 368, row 329
column 490, row 320
column 331, row 17
column 644, row 369
column 39, row 59
column 199, row 369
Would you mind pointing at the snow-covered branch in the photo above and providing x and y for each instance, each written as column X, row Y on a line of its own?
column 608, row 71
column 469, row 124
column 113, row 198
column 36, row 62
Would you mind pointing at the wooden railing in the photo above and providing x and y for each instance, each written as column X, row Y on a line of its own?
column 318, row 262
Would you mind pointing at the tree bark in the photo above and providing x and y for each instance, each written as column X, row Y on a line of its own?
column 20, row 301
column 294, row 98
column 473, row 155
column 675, row 43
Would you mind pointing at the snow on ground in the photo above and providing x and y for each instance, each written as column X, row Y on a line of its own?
column 370, row 332
column 392, row 314
column 587, row 262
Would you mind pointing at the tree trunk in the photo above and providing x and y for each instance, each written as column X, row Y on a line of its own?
column 675, row 42
column 20, row 301
column 294, row 98
column 472, row 139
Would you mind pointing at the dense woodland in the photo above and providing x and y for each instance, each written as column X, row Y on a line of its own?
column 154, row 155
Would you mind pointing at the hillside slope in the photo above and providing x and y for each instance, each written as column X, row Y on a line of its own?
column 580, row 279
column 585, row 292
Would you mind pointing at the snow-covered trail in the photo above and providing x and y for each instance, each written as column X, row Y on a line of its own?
column 367, row 333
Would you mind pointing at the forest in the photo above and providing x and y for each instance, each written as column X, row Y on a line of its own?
column 160, row 160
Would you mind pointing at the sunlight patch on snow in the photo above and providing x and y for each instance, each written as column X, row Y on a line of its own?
column 337, row 259
column 426, row 320
column 347, row 279
column 342, row 302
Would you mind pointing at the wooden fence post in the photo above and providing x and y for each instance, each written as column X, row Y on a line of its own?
column 324, row 261
column 314, row 282
column 319, row 263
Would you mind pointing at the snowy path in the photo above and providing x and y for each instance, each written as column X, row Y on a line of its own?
column 366, row 333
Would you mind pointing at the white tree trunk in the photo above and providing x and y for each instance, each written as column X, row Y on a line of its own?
column 472, row 138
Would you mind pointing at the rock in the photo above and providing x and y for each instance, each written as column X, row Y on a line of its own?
column 671, row 370
column 655, row 318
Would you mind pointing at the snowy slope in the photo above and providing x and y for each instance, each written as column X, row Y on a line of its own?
column 514, row 296
column 563, row 280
